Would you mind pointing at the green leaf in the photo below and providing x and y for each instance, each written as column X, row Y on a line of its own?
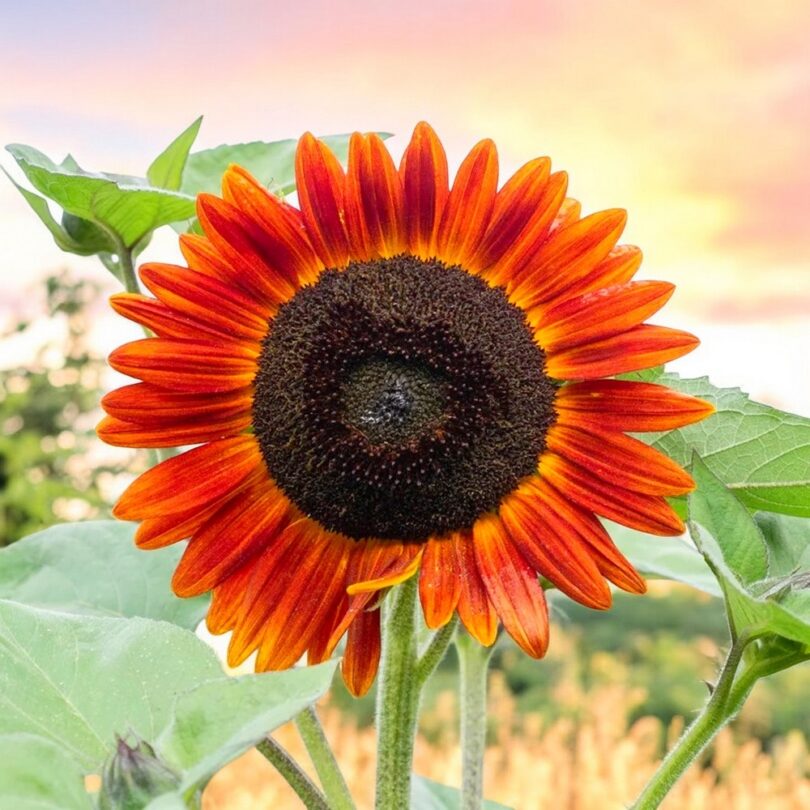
column 757, row 596
column 36, row 774
column 429, row 795
column 80, row 680
column 126, row 208
column 220, row 720
column 788, row 541
column 69, row 239
column 96, row 568
column 761, row 453
column 665, row 558
column 167, row 168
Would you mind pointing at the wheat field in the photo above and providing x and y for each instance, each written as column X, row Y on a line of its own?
column 597, row 763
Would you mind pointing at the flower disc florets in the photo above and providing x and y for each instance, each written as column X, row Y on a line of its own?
column 400, row 398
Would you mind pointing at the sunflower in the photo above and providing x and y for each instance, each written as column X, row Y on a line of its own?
column 396, row 378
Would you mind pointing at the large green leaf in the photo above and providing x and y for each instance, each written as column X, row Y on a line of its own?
column 761, row 453
column 665, row 558
column 167, row 168
column 757, row 593
column 95, row 567
column 220, row 720
column 126, row 208
column 36, row 774
column 429, row 795
column 80, row 680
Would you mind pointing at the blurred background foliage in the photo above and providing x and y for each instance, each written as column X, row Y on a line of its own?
column 655, row 650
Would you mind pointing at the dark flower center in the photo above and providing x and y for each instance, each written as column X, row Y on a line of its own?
column 400, row 398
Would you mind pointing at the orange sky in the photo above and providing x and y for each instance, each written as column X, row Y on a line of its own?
column 692, row 115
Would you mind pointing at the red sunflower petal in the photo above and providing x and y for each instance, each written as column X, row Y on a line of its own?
column 206, row 300
column 512, row 586
column 362, row 657
column 627, row 406
column 556, row 553
column 154, row 315
column 125, row 434
column 192, row 479
column 525, row 248
column 619, row 267
column 620, row 459
column 232, row 537
column 310, row 587
column 319, row 645
column 188, row 365
column 572, row 521
column 439, row 581
column 647, row 513
column 600, row 314
column 641, row 347
column 568, row 256
column 516, row 205
column 474, row 607
column 150, row 406
column 226, row 601
column 237, row 239
column 374, row 205
column 320, row 183
column 425, row 187
column 469, row 205
column 202, row 257
column 569, row 212
column 279, row 228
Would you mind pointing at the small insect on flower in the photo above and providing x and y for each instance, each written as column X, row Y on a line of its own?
column 399, row 377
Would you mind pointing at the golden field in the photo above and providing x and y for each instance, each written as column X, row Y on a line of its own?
column 598, row 762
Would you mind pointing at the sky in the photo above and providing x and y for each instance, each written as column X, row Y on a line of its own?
column 693, row 116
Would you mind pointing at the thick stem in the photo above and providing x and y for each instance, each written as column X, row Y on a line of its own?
column 473, row 661
column 397, row 701
column 435, row 651
column 127, row 267
column 320, row 752
column 312, row 798
column 726, row 700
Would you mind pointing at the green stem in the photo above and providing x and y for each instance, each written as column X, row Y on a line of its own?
column 473, row 661
column 397, row 701
column 435, row 651
column 127, row 267
column 724, row 703
column 312, row 798
column 320, row 752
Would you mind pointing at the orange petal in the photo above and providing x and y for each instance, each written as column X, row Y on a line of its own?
column 516, row 205
column 373, row 200
column 625, row 405
column 206, row 300
column 310, row 583
column 148, row 405
column 154, row 315
column 647, row 513
column 187, row 365
column 125, row 434
column 469, row 205
column 226, row 601
column 569, row 520
column 568, row 256
column 424, row 185
column 620, row 459
column 439, row 581
column 232, row 537
column 474, row 607
column 569, row 212
column 556, row 553
column 641, row 347
column 599, row 314
column 192, row 479
column 362, row 656
column 321, row 191
column 239, row 241
column 319, row 645
column 522, row 252
column 279, row 228
column 512, row 586
column 619, row 267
